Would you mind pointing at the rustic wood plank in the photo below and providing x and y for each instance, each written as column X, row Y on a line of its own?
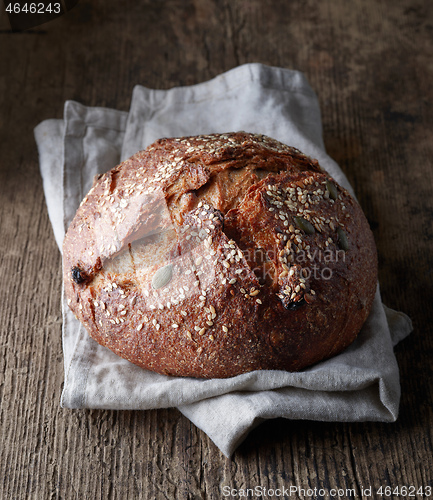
column 370, row 64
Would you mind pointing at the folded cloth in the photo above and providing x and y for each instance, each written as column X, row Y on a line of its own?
column 362, row 383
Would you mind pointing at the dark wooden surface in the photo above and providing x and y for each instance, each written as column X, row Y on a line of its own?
column 371, row 64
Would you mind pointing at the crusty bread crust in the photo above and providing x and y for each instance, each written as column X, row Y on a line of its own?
column 216, row 255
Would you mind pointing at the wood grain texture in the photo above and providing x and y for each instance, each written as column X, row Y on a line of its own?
column 370, row 63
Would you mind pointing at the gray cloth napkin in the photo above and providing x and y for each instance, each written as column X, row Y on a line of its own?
column 360, row 384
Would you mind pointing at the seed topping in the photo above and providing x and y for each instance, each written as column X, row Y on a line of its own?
column 162, row 277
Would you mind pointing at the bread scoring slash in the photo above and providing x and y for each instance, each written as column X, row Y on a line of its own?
column 215, row 255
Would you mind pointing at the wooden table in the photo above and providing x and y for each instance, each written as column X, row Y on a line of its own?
column 371, row 64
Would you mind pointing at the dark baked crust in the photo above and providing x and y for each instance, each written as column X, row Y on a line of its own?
column 215, row 255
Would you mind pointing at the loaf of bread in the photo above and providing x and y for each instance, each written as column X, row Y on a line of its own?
column 215, row 255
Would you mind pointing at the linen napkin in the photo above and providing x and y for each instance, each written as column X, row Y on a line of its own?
column 362, row 383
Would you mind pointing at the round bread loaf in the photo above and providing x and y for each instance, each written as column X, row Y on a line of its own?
column 215, row 255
